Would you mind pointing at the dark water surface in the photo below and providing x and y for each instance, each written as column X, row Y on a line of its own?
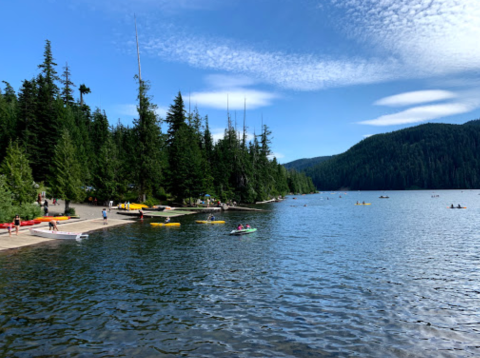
column 399, row 278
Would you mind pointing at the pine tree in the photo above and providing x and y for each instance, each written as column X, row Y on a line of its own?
column 83, row 91
column 148, row 156
column 18, row 174
column 65, row 180
column 49, row 72
column 27, row 117
column 67, row 91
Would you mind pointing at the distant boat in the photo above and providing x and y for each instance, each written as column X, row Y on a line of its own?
column 242, row 232
column 60, row 235
column 384, row 197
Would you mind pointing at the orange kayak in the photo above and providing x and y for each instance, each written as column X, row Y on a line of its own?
column 45, row 219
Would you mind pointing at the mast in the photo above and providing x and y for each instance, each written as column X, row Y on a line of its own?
column 138, row 51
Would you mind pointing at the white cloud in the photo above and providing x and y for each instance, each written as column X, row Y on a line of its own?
column 219, row 133
column 420, row 114
column 411, row 39
column 416, row 97
column 127, row 109
column 236, row 98
column 292, row 71
column 131, row 110
column 430, row 37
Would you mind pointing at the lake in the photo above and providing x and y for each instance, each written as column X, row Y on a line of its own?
column 320, row 278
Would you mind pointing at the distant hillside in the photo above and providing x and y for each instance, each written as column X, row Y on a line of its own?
column 302, row 164
column 429, row 156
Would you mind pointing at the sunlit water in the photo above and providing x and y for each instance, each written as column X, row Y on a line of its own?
column 399, row 278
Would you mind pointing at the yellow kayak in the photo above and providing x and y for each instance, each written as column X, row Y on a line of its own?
column 165, row 224
column 50, row 218
column 364, row 204
column 209, row 222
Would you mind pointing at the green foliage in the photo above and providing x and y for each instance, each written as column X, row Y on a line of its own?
column 66, row 176
column 429, row 156
column 8, row 209
column 18, row 174
column 70, row 212
column 70, row 146
column 151, row 202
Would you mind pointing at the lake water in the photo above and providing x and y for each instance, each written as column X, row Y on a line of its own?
column 398, row 278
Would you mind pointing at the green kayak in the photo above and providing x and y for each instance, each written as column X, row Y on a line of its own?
column 242, row 232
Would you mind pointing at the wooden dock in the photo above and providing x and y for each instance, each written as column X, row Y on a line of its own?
column 24, row 237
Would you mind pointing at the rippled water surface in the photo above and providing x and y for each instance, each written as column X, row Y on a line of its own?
column 399, row 278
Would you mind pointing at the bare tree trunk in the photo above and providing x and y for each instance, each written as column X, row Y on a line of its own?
column 67, row 206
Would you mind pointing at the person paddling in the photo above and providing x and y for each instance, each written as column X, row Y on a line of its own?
column 167, row 220
column 240, row 227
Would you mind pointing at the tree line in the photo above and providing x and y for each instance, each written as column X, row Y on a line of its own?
column 70, row 148
column 429, row 156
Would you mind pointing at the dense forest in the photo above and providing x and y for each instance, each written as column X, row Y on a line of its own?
column 48, row 137
column 302, row 164
column 429, row 156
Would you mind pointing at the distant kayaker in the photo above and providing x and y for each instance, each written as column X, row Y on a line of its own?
column 167, row 220
column 247, row 226
column 240, row 227
column 212, row 218
column 451, row 206
column 358, row 203
column 52, row 225
column 16, row 223
column 363, row 203
column 458, row 206
column 104, row 214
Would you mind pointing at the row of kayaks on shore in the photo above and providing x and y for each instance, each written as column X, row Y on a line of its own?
column 36, row 221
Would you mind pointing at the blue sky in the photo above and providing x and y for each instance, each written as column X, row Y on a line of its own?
column 322, row 74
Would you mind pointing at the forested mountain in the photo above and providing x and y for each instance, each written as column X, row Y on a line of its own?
column 69, row 147
column 302, row 164
column 429, row 156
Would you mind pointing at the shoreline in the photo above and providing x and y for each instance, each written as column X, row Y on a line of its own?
column 24, row 237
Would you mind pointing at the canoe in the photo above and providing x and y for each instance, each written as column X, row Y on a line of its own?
column 456, row 207
column 209, row 222
column 242, row 232
column 61, row 235
column 364, row 204
column 6, row 225
column 165, row 224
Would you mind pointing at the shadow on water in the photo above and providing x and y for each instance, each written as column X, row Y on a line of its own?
column 329, row 279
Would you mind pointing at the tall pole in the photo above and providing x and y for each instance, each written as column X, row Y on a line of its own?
column 138, row 52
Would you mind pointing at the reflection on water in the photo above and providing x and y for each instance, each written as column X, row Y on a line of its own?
column 398, row 278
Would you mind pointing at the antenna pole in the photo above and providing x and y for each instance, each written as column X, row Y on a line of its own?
column 138, row 51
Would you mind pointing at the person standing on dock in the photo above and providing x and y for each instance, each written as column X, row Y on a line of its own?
column 104, row 213
column 17, row 222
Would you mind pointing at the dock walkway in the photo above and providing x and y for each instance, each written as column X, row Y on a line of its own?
column 24, row 237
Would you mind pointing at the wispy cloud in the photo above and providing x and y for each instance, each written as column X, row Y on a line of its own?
column 411, row 39
column 420, row 114
column 416, row 97
column 219, row 133
column 454, row 103
column 131, row 110
column 430, row 37
column 292, row 71
column 235, row 99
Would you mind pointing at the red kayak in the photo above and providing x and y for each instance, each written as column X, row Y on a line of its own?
column 27, row 223
column 6, row 225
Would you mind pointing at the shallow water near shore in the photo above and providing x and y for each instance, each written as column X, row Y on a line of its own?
column 398, row 278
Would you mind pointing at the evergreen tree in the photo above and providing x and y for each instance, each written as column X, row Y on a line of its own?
column 49, row 73
column 67, row 91
column 65, row 180
column 18, row 174
column 148, row 158
column 27, row 117
column 83, row 91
